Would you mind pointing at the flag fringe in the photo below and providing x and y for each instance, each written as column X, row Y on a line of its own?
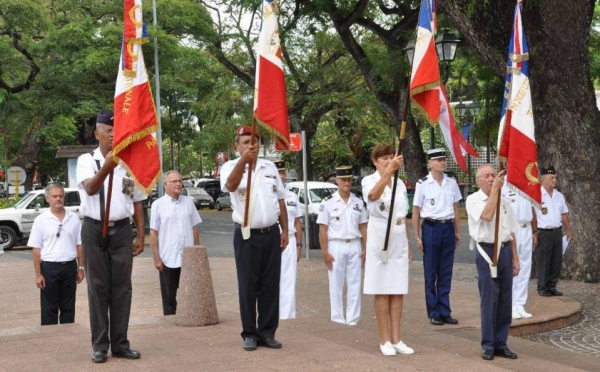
column 273, row 132
column 424, row 87
column 523, row 195
column 433, row 123
column 136, row 40
column 145, row 190
column 134, row 138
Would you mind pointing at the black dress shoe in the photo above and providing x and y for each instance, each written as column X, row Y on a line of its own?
column 487, row 355
column 436, row 321
column 249, row 344
column 99, row 357
column 271, row 343
column 127, row 354
column 544, row 293
column 449, row 320
column 505, row 353
column 554, row 292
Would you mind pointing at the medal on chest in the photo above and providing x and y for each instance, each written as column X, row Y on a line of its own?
column 544, row 210
column 382, row 207
column 432, row 202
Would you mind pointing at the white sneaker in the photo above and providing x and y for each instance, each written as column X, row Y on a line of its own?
column 387, row 349
column 523, row 313
column 402, row 348
column 515, row 313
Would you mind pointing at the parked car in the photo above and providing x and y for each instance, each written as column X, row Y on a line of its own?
column 212, row 187
column 200, row 197
column 316, row 190
column 223, row 201
column 16, row 221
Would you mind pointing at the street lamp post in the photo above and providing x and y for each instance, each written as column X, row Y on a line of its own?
column 445, row 44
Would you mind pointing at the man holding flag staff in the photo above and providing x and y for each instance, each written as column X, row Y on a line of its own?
column 258, row 246
column 109, row 260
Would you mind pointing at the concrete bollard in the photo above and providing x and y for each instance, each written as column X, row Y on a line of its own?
column 196, row 304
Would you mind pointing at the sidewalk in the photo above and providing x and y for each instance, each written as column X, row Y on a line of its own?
column 310, row 343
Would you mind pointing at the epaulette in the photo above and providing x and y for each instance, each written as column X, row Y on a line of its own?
column 450, row 174
column 422, row 180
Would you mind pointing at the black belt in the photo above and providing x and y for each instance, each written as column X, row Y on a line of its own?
column 118, row 223
column 262, row 230
column 59, row 262
column 491, row 245
column 432, row 222
column 554, row 229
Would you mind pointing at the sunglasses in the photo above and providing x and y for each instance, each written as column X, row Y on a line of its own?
column 58, row 232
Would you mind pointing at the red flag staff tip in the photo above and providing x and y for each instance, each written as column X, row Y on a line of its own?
column 250, row 166
column 108, row 199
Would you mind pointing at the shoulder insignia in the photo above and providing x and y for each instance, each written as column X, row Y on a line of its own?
column 422, row 180
column 450, row 174
column 327, row 198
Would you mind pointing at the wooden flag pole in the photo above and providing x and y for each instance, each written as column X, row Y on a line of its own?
column 250, row 164
column 108, row 199
column 497, row 224
column 399, row 151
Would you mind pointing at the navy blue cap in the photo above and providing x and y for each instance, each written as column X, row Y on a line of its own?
column 105, row 117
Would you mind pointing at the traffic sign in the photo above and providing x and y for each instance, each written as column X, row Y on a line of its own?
column 15, row 175
column 295, row 142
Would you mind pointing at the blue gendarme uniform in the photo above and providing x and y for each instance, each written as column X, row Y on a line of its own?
column 436, row 203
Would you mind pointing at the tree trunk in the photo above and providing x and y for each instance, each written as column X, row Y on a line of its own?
column 27, row 156
column 564, row 107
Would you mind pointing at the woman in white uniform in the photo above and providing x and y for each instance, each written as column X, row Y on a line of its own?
column 386, row 272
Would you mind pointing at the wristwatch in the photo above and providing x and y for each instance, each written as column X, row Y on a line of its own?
column 81, row 268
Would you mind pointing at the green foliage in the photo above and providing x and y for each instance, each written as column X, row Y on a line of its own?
column 7, row 202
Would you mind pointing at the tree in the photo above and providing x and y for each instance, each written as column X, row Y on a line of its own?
column 564, row 107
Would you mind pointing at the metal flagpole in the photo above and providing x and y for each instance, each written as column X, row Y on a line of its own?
column 157, row 99
column 306, row 219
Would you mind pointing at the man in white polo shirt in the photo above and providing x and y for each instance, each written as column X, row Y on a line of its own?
column 173, row 225
column 57, row 258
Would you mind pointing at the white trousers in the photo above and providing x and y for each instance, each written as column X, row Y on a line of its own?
column 525, row 251
column 287, row 281
column 347, row 267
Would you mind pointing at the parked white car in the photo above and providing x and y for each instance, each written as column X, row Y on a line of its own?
column 316, row 190
column 16, row 221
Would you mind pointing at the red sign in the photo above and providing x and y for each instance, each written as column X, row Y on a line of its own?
column 295, row 143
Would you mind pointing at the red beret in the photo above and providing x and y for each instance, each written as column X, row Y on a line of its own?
column 245, row 131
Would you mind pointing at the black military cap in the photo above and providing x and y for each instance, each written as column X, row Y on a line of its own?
column 549, row 170
column 105, row 117
column 343, row 171
column 280, row 164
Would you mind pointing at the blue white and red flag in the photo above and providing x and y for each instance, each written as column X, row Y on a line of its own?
column 135, row 114
column 455, row 142
column 516, row 135
column 270, row 102
column 425, row 75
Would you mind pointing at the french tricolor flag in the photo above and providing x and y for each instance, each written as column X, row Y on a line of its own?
column 270, row 102
column 425, row 75
column 516, row 135
column 135, row 113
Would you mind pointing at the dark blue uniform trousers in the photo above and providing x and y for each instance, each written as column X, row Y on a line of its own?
column 439, row 244
column 59, row 294
column 108, row 269
column 496, row 297
column 258, row 266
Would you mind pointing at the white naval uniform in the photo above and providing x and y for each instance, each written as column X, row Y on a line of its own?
column 523, row 234
column 289, row 261
column 391, row 277
column 344, row 244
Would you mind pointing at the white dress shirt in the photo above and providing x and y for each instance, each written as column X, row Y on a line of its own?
column 124, row 191
column 55, row 248
column 381, row 208
column 436, row 201
column 268, row 189
column 483, row 231
column 342, row 218
column 174, row 220
column 293, row 210
column 549, row 214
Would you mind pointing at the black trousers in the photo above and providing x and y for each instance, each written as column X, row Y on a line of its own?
column 108, row 270
column 258, row 265
column 549, row 258
column 59, row 294
column 169, row 283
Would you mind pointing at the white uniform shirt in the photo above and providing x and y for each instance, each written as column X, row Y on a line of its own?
column 520, row 205
column 549, row 214
column 343, row 219
column 435, row 201
column 483, row 231
column 268, row 189
column 381, row 208
column 124, row 191
column 52, row 248
column 174, row 220
column 293, row 210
